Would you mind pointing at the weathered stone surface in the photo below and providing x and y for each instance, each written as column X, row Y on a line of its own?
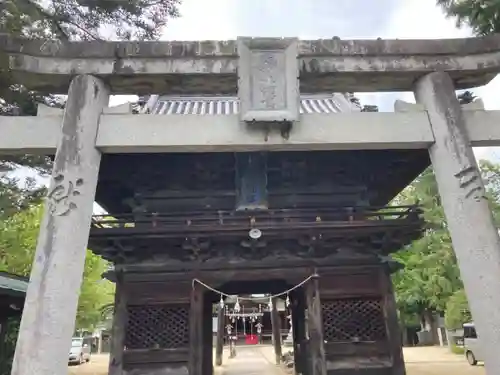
column 194, row 133
column 473, row 231
column 268, row 85
column 402, row 106
column 476, row 105
column 210, row 67
column 51, row 301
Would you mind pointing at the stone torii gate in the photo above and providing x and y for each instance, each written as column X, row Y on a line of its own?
column 267, row 74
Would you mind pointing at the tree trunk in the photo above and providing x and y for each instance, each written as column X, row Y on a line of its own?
column 430, row 324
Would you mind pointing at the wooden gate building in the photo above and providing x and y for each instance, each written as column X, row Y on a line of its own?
column 250, row 183
column 176, row 218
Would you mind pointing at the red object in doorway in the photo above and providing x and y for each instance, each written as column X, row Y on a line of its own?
column 251, row 339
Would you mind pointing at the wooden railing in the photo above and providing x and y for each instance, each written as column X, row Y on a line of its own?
column 178, row 223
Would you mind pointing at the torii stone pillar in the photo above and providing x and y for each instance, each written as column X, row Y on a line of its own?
column 473, row 232
column 51, row 302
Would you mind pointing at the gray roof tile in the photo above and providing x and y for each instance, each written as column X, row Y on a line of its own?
column 230, row 105
column 14, row 283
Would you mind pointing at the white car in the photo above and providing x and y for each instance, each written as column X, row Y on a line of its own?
column 80, row 350
column 472, row 348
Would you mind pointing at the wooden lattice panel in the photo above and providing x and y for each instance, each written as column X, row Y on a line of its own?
column 157, row 327
column 353, row 320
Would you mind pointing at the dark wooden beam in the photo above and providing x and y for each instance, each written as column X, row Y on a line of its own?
column 196, row 331
column 3, row 334
column 299, row 331
column 119, row 328
column 208, row 365
column 392, row 323
column 221, row 320
column 292, row 273
column 315, row 326
column 276, row 326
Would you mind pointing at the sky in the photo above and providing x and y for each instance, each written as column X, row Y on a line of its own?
column 314, row 19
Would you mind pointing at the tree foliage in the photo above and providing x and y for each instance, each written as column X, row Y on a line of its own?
column 457, row 310
column 18, row 237
column 87, row 19
column 365, row 107
column 430, row 281
column 9, row 345
column 482, row 16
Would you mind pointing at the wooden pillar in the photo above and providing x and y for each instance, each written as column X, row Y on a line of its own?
column 196, row 331
column 118, row 329
column 393, row 327
column 473, row 231
column 276, row 326
column 221, row 326
column 3, row 336
column 315, row 326
column 99, row 343
column 299, row 334
column 208, row 337
column 51, row 303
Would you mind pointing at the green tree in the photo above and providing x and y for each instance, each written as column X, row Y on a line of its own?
column 431, row 276
column 95, row 293
column 482, row 16
column 457, row 310
column 18, row 237
column 86, row 19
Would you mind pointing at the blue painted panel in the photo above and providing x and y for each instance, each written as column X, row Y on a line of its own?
column 251, row 183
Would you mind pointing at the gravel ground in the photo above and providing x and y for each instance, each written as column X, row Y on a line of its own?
column 419, row 361
column 438, row 361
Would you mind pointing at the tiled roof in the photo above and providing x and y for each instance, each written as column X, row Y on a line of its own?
column 13, row 283
column 162, row 105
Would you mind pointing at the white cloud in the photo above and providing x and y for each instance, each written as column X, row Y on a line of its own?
column 204, row 20
column 200, row 20
column 424, row 20
column 421, row 19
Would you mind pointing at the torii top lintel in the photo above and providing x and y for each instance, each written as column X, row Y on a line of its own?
column 211, row 67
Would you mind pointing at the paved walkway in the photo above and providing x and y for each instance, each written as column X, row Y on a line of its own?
column 250, row 360
column 260, row 361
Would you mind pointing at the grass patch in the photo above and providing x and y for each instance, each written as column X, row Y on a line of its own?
column 457, row 349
